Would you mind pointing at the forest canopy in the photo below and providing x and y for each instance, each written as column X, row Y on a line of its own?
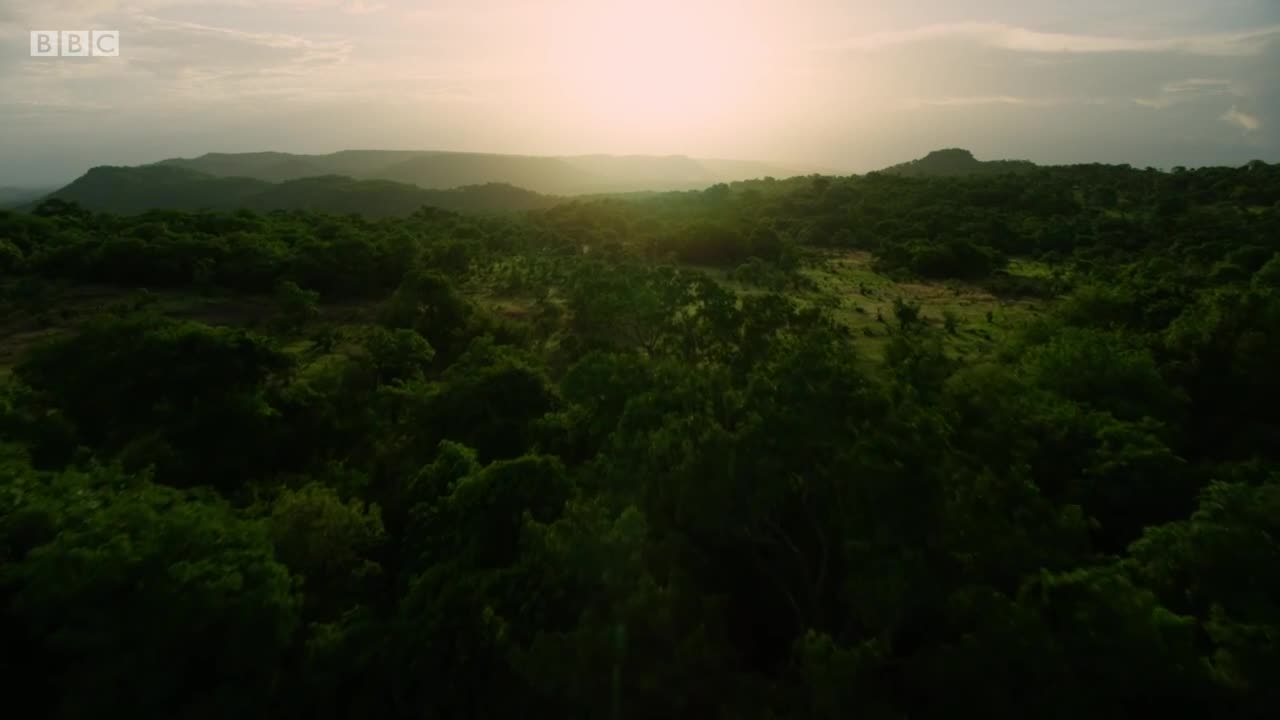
column 877, row 446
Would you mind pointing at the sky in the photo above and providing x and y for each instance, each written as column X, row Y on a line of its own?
column 835, row 85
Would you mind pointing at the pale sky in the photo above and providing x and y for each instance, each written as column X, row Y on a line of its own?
column 850, row 85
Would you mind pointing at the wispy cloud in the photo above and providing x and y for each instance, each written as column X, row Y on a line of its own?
column 351, row 7
column 1011, row 37
column 363, row 7
column 1011, row 100
column 62, row 104
column 21, row 15
column 1188, row 90
column 1242, row 120
column 331, row 47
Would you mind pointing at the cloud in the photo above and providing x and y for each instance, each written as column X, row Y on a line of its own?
column 1011, row 37
column 1243, row 120
column 1198, row 85
column 187, row 62
column 363, row 7
column 63, row 104
column 351, row 7
column 170, row 67
column 1188, row 90
column 20, row 15
column 181, row 34
column 984, row 100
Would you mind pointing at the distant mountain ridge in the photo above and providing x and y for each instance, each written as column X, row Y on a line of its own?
column 957, row 162
column 389, row 183
column 129, row 190
column 437, row 170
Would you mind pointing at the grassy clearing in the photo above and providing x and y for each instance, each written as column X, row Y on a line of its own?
column 863, row 300
column 1030, row 268
column 844, row 283
column 16, row 344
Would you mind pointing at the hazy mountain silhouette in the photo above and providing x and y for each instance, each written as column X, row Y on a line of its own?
column 386, row 183
column 954, row 162
column 15, row 196
column 581, row 174
column 165, row 186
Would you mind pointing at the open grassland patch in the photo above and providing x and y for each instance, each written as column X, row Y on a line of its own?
column 863, row 300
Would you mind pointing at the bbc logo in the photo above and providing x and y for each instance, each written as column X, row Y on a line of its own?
column 75, row 43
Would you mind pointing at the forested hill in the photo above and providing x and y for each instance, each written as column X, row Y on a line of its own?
column 955, row 162
column 138, row 189
column 567, row 175
column 878, row 447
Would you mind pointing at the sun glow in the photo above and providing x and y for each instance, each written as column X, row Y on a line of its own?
column 657, row 67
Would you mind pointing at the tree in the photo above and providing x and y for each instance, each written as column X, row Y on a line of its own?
column 180, row 396
column 10, row 256
column 427, row 302
column 397, row 354
column 327, row 544
column 128, row 595
column 1219, row 565
column 297, row 306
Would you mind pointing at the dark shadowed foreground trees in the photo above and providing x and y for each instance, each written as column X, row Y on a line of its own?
column 649, row 483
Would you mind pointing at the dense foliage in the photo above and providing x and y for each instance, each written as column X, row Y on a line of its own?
column 609, row 459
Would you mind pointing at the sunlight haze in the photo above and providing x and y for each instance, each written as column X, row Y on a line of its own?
column 813, row 84
column 640, row 359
